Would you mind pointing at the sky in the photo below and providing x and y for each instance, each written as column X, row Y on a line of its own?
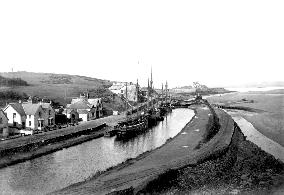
column 218, row 43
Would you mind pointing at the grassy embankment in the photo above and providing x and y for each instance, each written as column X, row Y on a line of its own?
column 244, row 169
column 212, row 127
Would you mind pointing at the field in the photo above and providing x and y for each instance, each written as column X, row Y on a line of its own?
column 269, row 116
column 59, row 87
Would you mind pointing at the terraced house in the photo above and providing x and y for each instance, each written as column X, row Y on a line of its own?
column 30, row 115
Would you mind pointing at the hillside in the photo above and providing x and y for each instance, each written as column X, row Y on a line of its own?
column 58, row 87
column 9, row 82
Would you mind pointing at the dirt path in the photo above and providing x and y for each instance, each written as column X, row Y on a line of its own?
column 259, row 139
column 174, row 154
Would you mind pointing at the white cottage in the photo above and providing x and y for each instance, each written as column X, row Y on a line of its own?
column 30, row 115
column 85, row 108
column 16, row 115
column 35, row 116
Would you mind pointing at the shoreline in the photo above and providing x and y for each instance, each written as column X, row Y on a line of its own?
column 263, row 111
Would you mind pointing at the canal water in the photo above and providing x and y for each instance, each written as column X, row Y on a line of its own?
column 71, row 165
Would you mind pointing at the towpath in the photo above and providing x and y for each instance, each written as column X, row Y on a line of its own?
column 176, row 153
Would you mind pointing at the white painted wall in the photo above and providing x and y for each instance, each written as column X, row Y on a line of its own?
column 32, row 119
column 84, row 117
column 9, row 111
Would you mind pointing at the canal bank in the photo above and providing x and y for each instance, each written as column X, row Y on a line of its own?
column 242, row 169
column 30, row 147
column 37, row 149
column 78, row 163
column 135, row 174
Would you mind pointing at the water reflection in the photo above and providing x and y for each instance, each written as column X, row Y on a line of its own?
column 65, row 167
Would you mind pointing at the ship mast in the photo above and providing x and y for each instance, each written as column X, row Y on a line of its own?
column 166, row 91
column 137, row 94
column 162, row 93
column 148, row 95
column 126, row 98
column 151, row 88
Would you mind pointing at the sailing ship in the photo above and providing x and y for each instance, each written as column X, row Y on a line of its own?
column 133, row 124
column 142, row 120
column 132, row 127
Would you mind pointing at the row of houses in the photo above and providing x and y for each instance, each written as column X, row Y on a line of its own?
column 30, row 115
column 37, row 116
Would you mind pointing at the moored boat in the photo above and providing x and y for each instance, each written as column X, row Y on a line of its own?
column 110, row 133
column 132, row 127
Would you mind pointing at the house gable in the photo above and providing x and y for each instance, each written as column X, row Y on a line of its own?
column 14, row 114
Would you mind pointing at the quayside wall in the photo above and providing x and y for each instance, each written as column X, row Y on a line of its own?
column 48, row 141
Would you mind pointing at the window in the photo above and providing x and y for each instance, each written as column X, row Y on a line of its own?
column 39, row 114
column 14, row 115
column 30, row 123
column 49, row 112
column 1, row 120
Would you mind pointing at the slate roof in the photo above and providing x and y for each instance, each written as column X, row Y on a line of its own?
column 94, row 101
column 45, row 105
column 30, row 109
column 73, row 101
column 82, row 112
column 27, row 108
column 19, row 108
column 82, row 104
